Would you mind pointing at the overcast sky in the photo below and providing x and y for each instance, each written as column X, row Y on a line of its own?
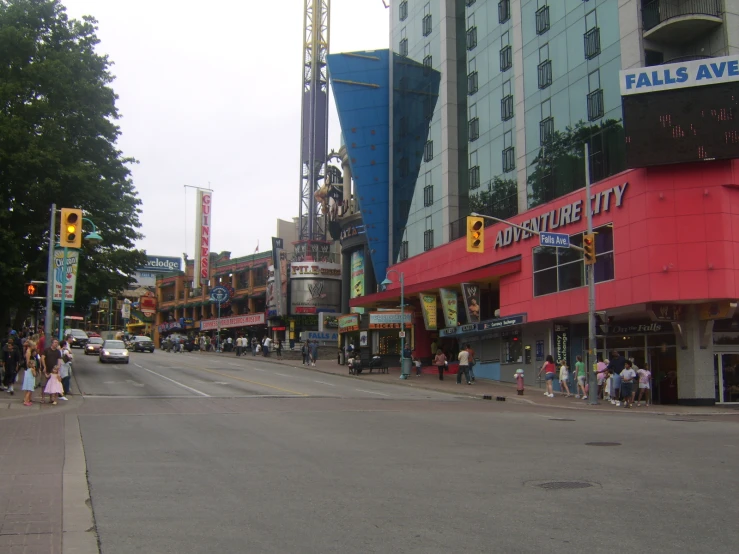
column 210, row 93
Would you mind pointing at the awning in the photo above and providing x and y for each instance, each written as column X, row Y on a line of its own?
column 489, row 273
column 258, row 295
column 170, row 284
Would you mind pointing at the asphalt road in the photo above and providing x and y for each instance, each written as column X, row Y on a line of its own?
column 328, row 465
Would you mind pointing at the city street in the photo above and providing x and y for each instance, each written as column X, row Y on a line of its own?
column 197, row 453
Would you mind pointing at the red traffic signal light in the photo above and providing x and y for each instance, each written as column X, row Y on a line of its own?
column 588, row 246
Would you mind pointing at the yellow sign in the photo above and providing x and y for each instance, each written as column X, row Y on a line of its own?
column 428, row 307
column 723, row 309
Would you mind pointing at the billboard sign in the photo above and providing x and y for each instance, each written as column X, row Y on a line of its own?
column 72, row 267
column 389, row 320
column 471, row 296
column 449, row 306
column 235, row 321
column 202, row 238
column 428, row 307
column 672, row 76
column 161, row 264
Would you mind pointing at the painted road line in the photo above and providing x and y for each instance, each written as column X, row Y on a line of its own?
column 324, row 383
column 372, row 392
column 196, row 391
column 281, row 374
column 254, row 382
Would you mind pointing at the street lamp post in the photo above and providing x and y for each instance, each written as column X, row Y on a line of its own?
column 385, row 283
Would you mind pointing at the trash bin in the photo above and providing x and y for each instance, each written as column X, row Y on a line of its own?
column 405, row 369
column 341, row 358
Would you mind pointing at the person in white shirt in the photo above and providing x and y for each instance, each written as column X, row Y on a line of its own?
column 564, row 379
column 265, row 345
column 464, row 367
column 628, row 376
column 239, row 345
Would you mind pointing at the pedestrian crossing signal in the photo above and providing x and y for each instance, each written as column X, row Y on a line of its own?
column 31, row 289
column 475, row 234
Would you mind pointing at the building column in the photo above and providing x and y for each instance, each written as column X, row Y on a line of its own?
column 695, row 378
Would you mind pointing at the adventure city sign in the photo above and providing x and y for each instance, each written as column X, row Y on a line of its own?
column 601, row 202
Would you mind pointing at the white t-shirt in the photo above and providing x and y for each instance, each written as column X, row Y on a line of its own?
column 267, row 342
column 628, row 375
column 464, row 358
column 229, row 340
column 564, row 373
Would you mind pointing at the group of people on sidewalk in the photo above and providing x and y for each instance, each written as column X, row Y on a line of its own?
column 466, row 358
column 28, row 362
column 618, row 380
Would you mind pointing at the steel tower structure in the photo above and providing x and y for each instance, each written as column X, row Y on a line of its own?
column 314, row 120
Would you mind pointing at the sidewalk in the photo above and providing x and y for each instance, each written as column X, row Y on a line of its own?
column 485, row 388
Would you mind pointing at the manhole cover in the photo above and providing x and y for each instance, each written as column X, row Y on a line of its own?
column 561, row 485
column 560, row 419
column 688, row 420
column 602, row 444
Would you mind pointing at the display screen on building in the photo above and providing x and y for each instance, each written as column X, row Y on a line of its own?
column 315, row 287
column 681, row 112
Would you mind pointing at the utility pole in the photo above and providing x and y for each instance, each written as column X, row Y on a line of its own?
column 49, row 318
column 591, row 361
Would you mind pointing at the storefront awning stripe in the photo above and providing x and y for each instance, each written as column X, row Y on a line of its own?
column 494, row 270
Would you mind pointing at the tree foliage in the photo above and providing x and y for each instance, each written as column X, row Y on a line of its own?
column 58, row 136
column 500, row 199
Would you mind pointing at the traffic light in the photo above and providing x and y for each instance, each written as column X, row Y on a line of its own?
column 70, row 234
column 475, row 234
column 588, row 246
column 31, row 289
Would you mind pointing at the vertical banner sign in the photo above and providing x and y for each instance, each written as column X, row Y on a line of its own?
column 72, row 265
column 562, row 343
column 428, row 307
column 471, row 296
column 279, row 260
column 201, row 275
column 449, row 306
column 357, row 277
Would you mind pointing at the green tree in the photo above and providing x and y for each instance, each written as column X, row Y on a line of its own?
column 499, row 200
column 58, row 136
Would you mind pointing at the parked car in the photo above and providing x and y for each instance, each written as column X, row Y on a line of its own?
column 142, row 344
column 92, row 334
column 112, row 351
column 77, row 338
column 93, row 346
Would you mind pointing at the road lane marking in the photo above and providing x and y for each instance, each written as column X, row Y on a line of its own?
column 372, row 392
column 281, row 374
column 253, row 382
column 324, row 383
column 196, row 391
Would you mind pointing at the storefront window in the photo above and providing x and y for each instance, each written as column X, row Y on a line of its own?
column 512, row 349
column 389, row 343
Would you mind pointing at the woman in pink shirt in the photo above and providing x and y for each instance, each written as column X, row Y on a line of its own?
column 549, row 370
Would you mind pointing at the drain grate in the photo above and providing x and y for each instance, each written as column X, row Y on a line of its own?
column 560, row 419
column 602, row 444
column 564, row 485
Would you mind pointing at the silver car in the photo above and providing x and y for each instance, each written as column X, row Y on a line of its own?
column 114, row 351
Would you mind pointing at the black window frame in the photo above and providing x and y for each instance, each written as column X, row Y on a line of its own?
column 546, row 130
column 428, row 240
column 506, row 107
column 473, row 129
column 427, row 62
column 509, row 159
column 596, row 108
column 544, row 74
column 403, row 47
column 472, row 37
column 403, row 10
column 504, row 11
column 426, row 25
column 403, row 250
column 428, row 195
column 474, row 177
column 591, row 41
column 472, row 83
column 542, row 20
column 428, row 151
column 469, row 2
column 506, row 58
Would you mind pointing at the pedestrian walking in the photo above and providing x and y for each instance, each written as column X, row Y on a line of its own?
column 615, row 386
column 416, row 362
column 471, row 361
column 464, row 366
column 645, row 386
column 305, row 352
column 549, row 370
column 65, row 369
column 29, row 382
column 278, row 349
column 601, row 369
column 313, row 352
column 564, row 378
column 54, row 385
column 203, row 343
column 51, row 357
column 440, row 363
column 518, row 376
column 11, row 361
column 582, row 378
column 254, row 346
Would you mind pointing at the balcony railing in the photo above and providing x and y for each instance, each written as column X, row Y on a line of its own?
column 658, row 11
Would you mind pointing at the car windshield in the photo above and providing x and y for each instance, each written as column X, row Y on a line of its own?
column 76, row 333
column 95, row 340
column 142, row 339
column 114, row 344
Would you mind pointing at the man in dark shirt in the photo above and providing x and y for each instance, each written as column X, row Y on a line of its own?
column 11, row 359
column 49, row 360
column 617, row 362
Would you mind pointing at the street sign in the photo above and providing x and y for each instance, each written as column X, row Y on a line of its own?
column 561, row 240
column 219, row 294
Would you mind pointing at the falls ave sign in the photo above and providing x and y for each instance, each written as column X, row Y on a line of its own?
column 560, row 240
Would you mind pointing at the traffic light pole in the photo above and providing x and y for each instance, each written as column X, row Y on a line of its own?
column 49, row 318
column 591, row 358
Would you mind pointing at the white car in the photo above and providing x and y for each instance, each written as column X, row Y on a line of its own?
column 114, row 351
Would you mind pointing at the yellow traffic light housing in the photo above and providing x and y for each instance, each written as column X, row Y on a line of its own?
column 70, row 235
column 475, row 234
column 588, row 246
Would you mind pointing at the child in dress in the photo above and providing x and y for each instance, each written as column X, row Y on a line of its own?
column 564, row 379
column 519, row 381
column 29, row 382
column 54, row 386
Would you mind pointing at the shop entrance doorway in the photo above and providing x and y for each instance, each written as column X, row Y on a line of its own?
column 726, row 376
